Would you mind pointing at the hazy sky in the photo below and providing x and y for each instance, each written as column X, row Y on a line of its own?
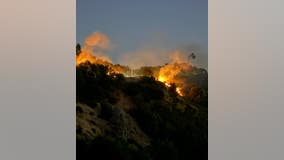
column 133, row 25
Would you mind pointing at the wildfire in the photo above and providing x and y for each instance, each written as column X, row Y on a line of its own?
column 93, row 49
column 169, row 73
column 164, row 80
column 97, row 43
column 178, row 90
column 168, row 85
column 84, row 57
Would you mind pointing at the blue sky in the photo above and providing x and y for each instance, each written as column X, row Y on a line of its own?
column 135, row 24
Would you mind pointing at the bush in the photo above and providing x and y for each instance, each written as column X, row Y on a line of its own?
column 106, row 112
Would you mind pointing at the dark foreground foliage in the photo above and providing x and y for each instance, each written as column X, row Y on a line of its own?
column 176, row 125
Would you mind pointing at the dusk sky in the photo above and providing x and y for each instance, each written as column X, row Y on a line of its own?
column 135, row 24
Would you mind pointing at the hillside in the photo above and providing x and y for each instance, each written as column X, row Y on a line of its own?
column 125, row 118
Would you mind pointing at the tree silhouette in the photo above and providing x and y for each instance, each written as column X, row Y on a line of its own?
column 78, row 49
column 191, row 56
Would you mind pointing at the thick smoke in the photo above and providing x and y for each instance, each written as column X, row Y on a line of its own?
column 160, row 55
column 94, row 49
column 144, row 57
column 97, row 39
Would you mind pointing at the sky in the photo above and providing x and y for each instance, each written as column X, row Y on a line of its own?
column 136, row 25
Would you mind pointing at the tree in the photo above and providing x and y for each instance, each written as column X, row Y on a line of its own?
column 78, row 49
column 191, row 56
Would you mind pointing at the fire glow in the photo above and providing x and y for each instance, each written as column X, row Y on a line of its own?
column 84, row 57
column 164, row 80
column 96, row 43
column 93, row 49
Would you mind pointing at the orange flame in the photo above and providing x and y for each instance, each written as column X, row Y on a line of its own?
column 84, row 57
column 164, row 80
column 97, row 42
column 168, row 73
column 178, row 90
column 93, row 48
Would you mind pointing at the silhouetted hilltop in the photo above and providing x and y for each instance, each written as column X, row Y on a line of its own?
column 125, row 118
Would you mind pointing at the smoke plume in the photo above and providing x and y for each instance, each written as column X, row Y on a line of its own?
column 94, row 49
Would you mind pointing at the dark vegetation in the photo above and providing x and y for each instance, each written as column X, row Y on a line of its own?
column 176, row 126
